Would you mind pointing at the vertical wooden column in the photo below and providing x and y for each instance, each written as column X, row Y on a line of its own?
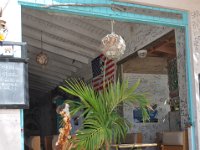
column 181, row 70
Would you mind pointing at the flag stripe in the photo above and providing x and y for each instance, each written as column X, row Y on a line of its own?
column 103, row 72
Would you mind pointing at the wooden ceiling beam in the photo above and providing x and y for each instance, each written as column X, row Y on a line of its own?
column 46, row 38
column 40, row 88
column 57, row 58
column 45, row 75
column 50, row 28
column 40, row 84
column 36, row 92
column 42, row 79
column 47, row 78
column 56, row 50
column 32, row 63
column 63, row 22
column 166, row 49
column 48, row 72
column 53, row 64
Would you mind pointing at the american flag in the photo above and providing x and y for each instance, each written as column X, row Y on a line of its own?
column 100, row 65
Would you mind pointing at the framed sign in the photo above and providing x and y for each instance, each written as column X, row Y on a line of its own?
column 13, row 78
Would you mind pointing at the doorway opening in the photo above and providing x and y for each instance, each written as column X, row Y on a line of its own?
column 57, row 30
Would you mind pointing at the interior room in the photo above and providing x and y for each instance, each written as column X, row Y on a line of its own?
column 62, row 46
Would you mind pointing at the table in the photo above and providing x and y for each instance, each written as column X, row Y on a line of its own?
column 132, row 146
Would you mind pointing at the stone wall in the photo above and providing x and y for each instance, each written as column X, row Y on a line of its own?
column 156, row 87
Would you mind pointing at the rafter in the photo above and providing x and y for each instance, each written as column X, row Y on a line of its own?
column 52, row 64
column 58, row 58
column 53, row 29
column 48, row 72
column 32, row 63
column 42, row 84
column 37, row 91
column 45, row 89
column 39, row 76
column 43, row 80
column 56, row 50
column 47, row 38
column 63, row 22
column 45, row 75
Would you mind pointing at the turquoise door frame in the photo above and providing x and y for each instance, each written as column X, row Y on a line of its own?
column 105, row 9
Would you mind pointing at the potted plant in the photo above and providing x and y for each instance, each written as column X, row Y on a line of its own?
column 102, row 124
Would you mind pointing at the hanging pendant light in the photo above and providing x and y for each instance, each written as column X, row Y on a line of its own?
column 113, row 45
column 42, row 58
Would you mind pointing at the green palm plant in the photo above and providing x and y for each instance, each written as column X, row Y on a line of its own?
column 102, row 124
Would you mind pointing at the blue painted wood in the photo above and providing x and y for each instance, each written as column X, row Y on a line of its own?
column 22, row 128
column 190, row 85
column 107, row 12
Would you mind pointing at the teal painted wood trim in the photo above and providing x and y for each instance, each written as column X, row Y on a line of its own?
column 190, row 85
column 22, row 128
column 110, row 2
column 108, row 13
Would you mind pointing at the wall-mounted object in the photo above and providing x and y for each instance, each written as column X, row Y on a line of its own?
column 14, row 78
column 142, row 53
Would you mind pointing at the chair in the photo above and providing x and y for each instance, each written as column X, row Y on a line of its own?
column 34, row 143
column 48, row 142
column 177, row 140
column 54, row 140
column 132, row 138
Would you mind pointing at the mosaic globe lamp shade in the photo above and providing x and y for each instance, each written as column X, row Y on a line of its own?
column 42, row 58
column 113, row 46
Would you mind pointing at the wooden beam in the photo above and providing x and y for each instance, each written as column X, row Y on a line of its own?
column 47, row 68
column 39, row 88
column 53, row 29
column 43, row 79
column 42, row 82
column 36, row 92
column 47, row 72
column 58, row 58
column 47, row 38
column 53, row 64
column 65, row 22
column 166, row 49
column 45, row 75
column 56, row 50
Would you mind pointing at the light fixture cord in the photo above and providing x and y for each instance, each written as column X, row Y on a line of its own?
column 112, row 26
column 41, row 42
column 104, row 74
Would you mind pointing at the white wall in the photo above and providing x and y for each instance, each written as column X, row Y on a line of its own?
column 175, row 4
column 10, row 137
column 195, row 44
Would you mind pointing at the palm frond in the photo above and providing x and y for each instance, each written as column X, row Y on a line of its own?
column 102, row 124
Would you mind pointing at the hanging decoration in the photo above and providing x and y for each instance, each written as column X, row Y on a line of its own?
column 3, row 27
column 113, row 45
column 64, row 137
column 42, row 58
